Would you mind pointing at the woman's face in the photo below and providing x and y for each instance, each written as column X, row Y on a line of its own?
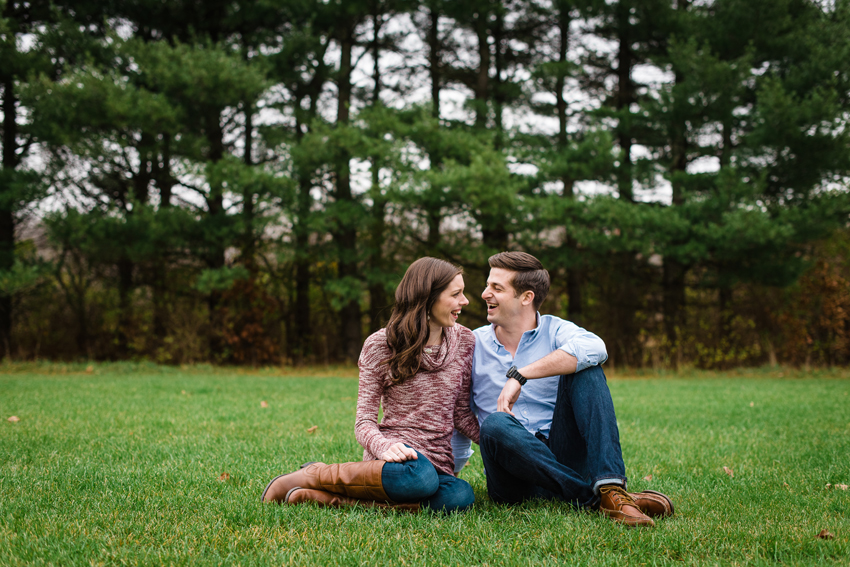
column 447, row 307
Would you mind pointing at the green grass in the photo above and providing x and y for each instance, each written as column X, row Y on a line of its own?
column 121, row 465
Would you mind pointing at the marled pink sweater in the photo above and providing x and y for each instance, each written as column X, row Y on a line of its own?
column 423, row 410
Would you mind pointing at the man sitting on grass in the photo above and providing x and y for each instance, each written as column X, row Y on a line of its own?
column 555, row 436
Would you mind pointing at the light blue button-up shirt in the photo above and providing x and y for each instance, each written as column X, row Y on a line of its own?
column 536, row 401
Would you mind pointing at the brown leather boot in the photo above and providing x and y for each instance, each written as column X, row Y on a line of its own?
column 361, row 480
column 653, row 504
column 324, row 498
column 619, row 505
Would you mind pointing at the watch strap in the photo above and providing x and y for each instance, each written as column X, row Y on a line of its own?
column 514, row 373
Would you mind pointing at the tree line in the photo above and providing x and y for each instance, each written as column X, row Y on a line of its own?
column 245, row 182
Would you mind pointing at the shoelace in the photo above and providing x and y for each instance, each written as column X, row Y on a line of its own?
column 621, row 492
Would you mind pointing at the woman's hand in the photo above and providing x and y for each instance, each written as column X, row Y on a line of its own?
column 399, row 453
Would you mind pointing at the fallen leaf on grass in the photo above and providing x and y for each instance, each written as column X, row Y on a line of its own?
column 647, row 477
column 14, row 419
column 224, row 476
column 752, row 404
column 89, row 368
column 825, row 535
column 264, row 404
column 312, row 429
column 729, row 471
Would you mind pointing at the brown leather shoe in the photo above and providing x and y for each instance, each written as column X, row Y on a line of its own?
column 653, row 504
column 619, row 505
column 324, row 498
column 361, row 480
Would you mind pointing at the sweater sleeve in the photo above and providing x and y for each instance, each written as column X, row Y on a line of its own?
column 464, row 420
column 369, row 394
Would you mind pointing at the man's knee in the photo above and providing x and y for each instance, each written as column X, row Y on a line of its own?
column 496, row 425
column 594, row 373
column 502, row 432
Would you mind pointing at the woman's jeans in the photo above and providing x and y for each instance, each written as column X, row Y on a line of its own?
column 581, row 453
column 418, row 481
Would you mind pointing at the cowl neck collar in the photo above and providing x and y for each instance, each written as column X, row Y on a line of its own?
column 436, row 356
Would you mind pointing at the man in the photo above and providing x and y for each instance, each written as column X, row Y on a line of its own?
column 548, row 428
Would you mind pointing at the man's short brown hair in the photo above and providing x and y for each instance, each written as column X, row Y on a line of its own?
column 530, row 275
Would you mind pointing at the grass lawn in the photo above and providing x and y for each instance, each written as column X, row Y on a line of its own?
column 123, row 464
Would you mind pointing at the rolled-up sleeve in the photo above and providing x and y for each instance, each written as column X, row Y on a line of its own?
column 588, row 349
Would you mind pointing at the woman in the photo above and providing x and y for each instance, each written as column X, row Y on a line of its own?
column 419, row 365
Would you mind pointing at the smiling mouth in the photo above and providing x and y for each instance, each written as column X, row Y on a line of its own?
column 456, row 313
column 491, row 306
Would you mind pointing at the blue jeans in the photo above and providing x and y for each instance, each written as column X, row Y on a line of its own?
column 583, row 447
column 418, row 481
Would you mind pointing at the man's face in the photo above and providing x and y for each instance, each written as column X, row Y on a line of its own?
column 503, row 305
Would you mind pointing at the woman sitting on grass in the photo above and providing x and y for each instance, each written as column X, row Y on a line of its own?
column 419, row 366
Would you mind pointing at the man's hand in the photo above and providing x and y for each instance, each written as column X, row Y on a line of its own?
column 399, row 453
column 509, row 396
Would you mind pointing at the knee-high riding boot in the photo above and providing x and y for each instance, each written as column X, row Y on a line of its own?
column 324, row 498
column 360, row 480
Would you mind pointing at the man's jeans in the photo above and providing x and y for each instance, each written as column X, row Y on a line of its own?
column 583, row 447
column 419, row 481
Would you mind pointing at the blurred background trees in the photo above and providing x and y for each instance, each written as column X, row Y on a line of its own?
column 245, row 182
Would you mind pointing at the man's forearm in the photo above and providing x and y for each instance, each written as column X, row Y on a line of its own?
column 555, row 363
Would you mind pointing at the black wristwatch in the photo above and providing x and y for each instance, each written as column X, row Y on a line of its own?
column 513, row 373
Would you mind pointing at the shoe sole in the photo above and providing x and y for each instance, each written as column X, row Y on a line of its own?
column 629, row 521
column 269, row 485
column 665, row 497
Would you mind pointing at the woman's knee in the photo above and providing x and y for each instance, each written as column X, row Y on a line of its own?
column 410, row 481
column 456, row 496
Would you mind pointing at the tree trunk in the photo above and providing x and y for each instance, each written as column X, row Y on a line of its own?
column 674, row 271
column 301, row 313
column 215, row 257
column 125, row 306
column 126, row 265
column 493, row 231
column 625, row 97
column 434, row 63
column 378, row 300
column 724, row 300
column 248, row 239
column 302, row 337
column 434, row 216
column 482, row 83
column 164, row 182
column 673, row 303
column 498, row 90
column 573, row 281
column 345, row 231
column 7, row 217
column 625, row 290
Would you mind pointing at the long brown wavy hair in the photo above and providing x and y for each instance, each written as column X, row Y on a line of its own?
column 407, row 329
